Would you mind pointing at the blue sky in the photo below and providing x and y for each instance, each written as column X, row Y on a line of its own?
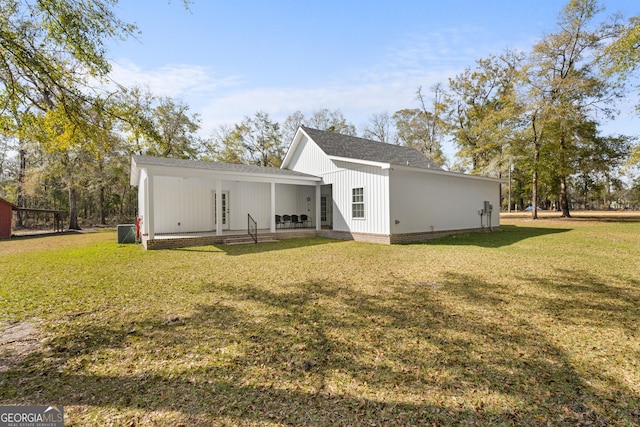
column 229, row 59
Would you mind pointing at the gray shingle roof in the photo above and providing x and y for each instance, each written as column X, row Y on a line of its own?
column 215, row 166
column 335, row 144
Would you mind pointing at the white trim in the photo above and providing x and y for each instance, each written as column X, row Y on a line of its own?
column 218, row 208
column 363, row 203
column 447, row 173
column 293, row 147
column 272, row 218
column 151, row 212
column 381, row 165
column 318, row 198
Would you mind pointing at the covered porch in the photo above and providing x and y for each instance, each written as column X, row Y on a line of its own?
column 192, row 203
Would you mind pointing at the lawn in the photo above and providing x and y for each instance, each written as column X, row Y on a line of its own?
column 534, row 324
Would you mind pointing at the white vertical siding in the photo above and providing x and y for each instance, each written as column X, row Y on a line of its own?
column 374, row 181
column 182, row 205
column 142, row 188
column 310, row 159
column 255, row 199
column 422, row 201
column 189, row 202
column 248, row 198
column 292, row 200
column 344, row 176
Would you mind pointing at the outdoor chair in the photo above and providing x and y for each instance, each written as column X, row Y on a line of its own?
column 286, row 219
column 295, row 220
column 279, row 222
column 306, row 221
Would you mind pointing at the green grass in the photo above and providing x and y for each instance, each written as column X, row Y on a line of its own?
column 535, row 324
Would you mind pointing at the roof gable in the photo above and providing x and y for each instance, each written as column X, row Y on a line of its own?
column 351, row 147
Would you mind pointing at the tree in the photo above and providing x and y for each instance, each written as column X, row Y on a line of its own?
column 420, row 129
column 597, row 160
column 157, row 126
column 48, row 50
column 380, row 128
column 257, row 141
column 290, row 126
column 565, row 87
column 485, row 113
column 332, row 121
column 174, row 130
column 322, row 119
column 622, row 58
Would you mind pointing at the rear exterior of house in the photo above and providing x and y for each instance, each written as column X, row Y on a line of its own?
column 424, row 204
column 385, row 193
column 348, row 187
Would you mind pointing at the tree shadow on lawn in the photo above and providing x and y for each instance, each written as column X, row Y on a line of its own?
column 506, row 235
column 580, row 296
column 318, row 354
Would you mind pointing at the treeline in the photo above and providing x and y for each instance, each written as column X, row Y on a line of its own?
column 532, row 118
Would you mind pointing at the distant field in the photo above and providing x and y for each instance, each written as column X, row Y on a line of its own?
column 534, row 324
column 576, row 215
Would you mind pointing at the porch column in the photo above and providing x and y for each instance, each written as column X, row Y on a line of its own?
column 150, row 219
column 218, row 204
column 318, row 213
column 272, row 220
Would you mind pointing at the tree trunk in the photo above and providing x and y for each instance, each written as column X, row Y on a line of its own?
column 21, row 172
column 564, row 199
column 73, row 209
column 534, row 179
column 534, row 195
column 103, row 217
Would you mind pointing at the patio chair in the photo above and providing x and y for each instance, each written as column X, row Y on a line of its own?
column 286, row 219
column 295, row 220
column 279, row 222
column 306, row 221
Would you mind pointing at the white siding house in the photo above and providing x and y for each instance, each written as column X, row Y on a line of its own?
column 349, row 188
column 405, row 196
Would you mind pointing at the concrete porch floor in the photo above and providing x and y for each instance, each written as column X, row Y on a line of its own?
column 180, row 240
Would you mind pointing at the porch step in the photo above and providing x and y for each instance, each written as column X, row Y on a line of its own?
column 245, row 240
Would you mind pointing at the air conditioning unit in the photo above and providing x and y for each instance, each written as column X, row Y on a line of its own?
column 126, row 233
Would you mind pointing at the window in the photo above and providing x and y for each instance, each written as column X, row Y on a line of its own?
column 357, row 202
column 323, row 208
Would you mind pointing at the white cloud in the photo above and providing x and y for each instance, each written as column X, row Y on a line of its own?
column 389, row 84
column 174, row 80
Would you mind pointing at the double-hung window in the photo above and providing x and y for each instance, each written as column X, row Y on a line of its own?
column 357, row 202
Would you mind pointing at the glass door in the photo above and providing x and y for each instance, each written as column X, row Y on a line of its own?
column 225, row 209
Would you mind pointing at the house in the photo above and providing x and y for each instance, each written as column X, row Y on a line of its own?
column 348, row 188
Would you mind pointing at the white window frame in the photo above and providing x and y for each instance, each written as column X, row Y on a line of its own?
column 357, row 200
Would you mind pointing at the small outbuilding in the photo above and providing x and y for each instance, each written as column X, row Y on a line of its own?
column 6, row 216
column 6, row 213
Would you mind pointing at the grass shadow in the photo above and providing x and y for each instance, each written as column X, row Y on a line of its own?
column 580, row 297
column 256, row 248
column 319, row 353
column 506, row 235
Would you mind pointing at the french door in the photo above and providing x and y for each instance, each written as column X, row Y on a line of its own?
column 224, row 199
